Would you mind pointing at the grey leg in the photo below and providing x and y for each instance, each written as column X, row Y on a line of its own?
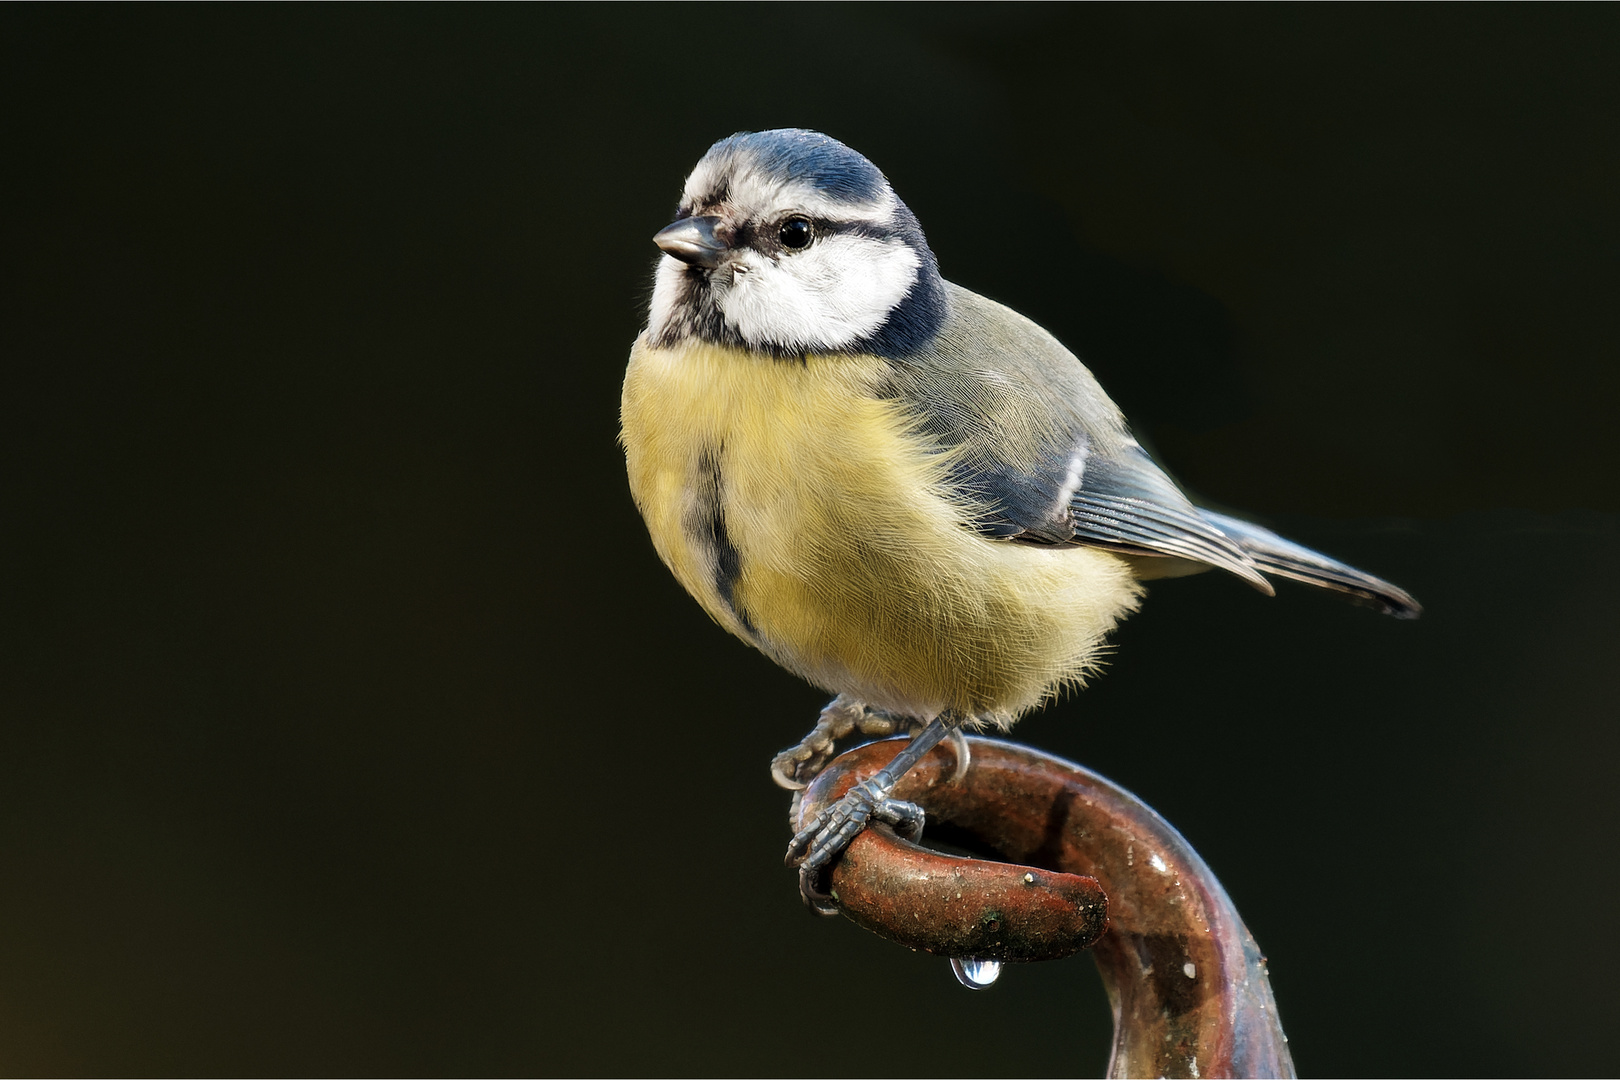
column 817, row 844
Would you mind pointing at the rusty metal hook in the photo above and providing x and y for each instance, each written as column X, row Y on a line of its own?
column 1186, row 980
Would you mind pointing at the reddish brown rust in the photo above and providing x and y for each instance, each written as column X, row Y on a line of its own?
column 1188, row 984
column 966, row 907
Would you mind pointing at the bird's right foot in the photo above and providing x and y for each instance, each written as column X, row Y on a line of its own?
column 816, row 845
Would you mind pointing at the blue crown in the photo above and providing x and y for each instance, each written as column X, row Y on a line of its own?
column 796, row 154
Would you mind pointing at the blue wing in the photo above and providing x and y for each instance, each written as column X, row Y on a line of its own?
column 1044, row 457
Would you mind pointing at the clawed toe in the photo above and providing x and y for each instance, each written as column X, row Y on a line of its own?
column 796, row 766
column 814, row 847
column 905, row 818
column 815, row 897
column 964, row 756
column 821, row 841
column 782, row 767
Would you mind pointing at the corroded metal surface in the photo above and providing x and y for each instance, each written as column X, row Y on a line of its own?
column 966, row 907
column 1186, row 980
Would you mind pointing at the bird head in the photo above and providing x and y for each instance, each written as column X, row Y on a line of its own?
column 788, row 242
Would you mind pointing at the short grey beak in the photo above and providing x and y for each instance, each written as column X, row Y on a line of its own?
column 692, row 240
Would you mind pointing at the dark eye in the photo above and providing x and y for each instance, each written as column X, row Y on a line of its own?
column 795, row 233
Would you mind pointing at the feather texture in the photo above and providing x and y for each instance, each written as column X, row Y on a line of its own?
column 853, row 563
column 903, row 491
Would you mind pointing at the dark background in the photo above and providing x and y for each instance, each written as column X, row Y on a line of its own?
column 349, row 723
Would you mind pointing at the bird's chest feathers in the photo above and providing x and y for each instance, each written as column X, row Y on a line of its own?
column 761, row 478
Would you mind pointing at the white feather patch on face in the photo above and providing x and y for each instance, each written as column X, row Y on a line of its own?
column 824, row 297
column 830, row 295
column 666, row 294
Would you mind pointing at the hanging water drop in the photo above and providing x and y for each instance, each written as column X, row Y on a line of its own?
column 976, row 974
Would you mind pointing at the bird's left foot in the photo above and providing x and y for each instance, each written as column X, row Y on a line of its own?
column 796, row 766
column 816, row 845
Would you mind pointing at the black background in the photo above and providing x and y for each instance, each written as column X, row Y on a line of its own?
column 349, row 723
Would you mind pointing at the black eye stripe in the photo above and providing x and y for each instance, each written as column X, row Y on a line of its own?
column 766, row 236
column 856, row 228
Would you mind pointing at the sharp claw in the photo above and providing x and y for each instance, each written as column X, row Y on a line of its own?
column 821, row 903
column 799, row 847
column 964, row 756
column 783, row 780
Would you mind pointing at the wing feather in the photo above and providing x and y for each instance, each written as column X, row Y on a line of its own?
column 1284, row 558
column 1044, row 456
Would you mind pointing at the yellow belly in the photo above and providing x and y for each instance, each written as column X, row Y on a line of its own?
column 841, row 554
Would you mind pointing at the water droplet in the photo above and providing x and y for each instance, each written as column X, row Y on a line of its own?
column 976, row 974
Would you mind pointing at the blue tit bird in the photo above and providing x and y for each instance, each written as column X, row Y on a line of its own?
column 908, row 494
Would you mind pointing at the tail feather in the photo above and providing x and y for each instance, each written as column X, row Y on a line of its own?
column 1284, row 558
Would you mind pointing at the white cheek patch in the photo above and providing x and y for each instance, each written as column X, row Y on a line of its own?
column 828, row 296
column 666, row 295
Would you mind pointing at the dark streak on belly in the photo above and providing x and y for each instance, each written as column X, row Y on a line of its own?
column 705, row 526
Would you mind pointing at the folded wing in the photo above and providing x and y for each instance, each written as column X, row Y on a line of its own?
column 1042, row 456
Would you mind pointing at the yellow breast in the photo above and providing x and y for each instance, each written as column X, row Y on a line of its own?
column 809, row 517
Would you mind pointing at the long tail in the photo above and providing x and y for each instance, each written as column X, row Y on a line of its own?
column 1274, row 555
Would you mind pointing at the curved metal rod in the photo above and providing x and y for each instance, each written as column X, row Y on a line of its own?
column 1186, row 980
